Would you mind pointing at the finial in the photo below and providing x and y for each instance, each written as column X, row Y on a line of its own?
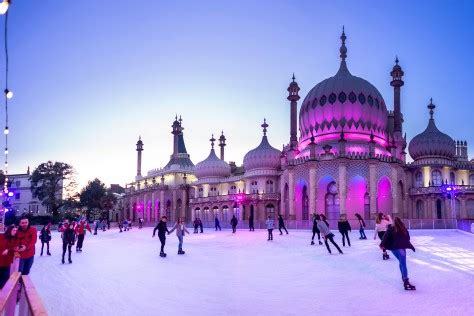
column 264, row 125
column 139, row 137
column 396, row 59
column 431, row 106
column 312, row 137
column 293, row 77
column 180, row 119
column 343, row 49
column 176, row 117
column 212, row 140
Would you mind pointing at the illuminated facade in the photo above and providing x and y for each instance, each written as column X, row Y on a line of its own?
column 349, row 158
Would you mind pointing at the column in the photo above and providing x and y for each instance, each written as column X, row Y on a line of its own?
column 153, row 207
column 426, row 170
column 395, row 197
column 282, row 195
column 174, row 216
column 312, row 190
column 162, row 204
column 373, row 189
column 449, row 209
column 463, row 211
column 291, row 193
column 342, row 187
column 445, row 174
column 145, row 208
column 183, row 204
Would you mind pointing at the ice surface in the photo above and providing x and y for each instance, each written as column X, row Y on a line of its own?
column 244, row 274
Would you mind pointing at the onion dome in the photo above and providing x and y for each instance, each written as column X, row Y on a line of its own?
column 264, row 156
column 212, row 166
column 431, row 142
column 343, row 102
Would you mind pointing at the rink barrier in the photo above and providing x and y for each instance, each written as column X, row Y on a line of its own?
column 29, row 303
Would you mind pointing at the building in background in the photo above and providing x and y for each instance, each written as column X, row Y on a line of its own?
column 23, row 200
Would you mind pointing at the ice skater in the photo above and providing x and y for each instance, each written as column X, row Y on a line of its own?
column 344, row 228
column 8, row 247
column 180, row 232
column 200, row 225
column 69, row 238
column 397, row 240
column 327, row 235
column 324, row 219
column 381, row 225
column 140, row 223
column 233, row 223
column 251, row 227
column 316, row 231
column 81, row 229
column 361, row 226
column 162, row 230
column 270, row 224
column 196, row 225
column 281, row 224
column 96, row 226
column 217, row 224
column 45, row 238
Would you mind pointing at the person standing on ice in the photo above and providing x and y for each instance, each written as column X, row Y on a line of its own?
column 327, row 235
column 69, row 238
column 81, row 229
column 96, row 226
column 180, row 232
column 381, row 225
column 344, row 228
column 316, row 231
column 324, row 219
column 233, row 223
column 397, row 240
column 140, row 223
column 281, row 224
column 196, row 225
column 8, row 247
column 362, row 226
column 270, row 226
column 217, row 224
column 45, row 238
column 251, row 226
column 27, row 236
column 200, row 225
column 162, row 230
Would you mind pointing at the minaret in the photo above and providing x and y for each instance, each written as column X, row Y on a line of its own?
column 222, row 144
column 139, row 156
column 397, row 83
column 293, row 97
column 177, row 129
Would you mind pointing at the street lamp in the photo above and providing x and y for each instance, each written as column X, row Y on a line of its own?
column 4, row 6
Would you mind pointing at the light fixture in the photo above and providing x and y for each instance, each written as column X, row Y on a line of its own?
column 4, row 6
column 6, row 151
column 6, row 131
column 8, row 93
column 10, row 194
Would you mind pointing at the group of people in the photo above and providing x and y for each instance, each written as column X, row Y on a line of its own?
column 270, row 224
column 101, row 224
column 162, row 229
column 125, row 225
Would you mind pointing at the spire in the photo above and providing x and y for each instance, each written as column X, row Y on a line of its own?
column 343, row 49
column 293, row 77
column 264, row 125
column 222, row 144
column 431, row 106
column 212, row 140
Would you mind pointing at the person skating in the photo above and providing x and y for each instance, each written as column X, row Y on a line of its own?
column 270, row 224
column 315, row 231
column 45, row 238
column 8, row 247
column 69, row 238
column 361, row 226
column 327, row 235
column 397, row 240
column 381, row 225
column 196, row 225
column 180, row 232
column 217, row 224
column 140, row 223
column 27, row 236
column 96, row 226
column 251, row 227
column 200, row 225
column 324, row 219
column 104, row 225
column 81, row 229
column 129, row 224
column 108, row 224
column 281, row 224
column 344, row 228
column 162, row 230
column 233, row 223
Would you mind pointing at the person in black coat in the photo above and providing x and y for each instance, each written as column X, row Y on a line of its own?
column 397, row 240
column 251, row 228
column 316, row 231
column 344, row 228
column 162, row 230
column 217, row 224
column 69, row 238
column 45, row 237
column 233, row 223
column 281, row 224
column 200, row 225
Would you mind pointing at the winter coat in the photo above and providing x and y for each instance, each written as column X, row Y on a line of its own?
column 196, row 223
column 281, row 223
column 270, row 224
column 10, row 244
column 315, row 226
column 82, row 227
column 343, row 226
column 69, row 236
column 323, row 228
column 216, row 221
column 382, row 226
column 161, row 228
column 234, row 221
column 180, row 229
column 45, row 235
column 27, row 238
column 396, row 240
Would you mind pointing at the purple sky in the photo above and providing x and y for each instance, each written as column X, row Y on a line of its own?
column 90, row 76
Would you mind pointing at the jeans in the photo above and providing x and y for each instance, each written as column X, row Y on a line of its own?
column 163, row 242
column 362, row 233
column 180, row 246
column 67, row 246
column 47, row 247
column 80, row 241
column 25, row 265
column 270, row 234
column 401, row 255
column 4, row 276
column 234, row 228
column 330, row 238
column 344, row 236
column 314, row 233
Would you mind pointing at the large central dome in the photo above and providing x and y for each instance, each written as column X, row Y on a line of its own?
column 343, row 103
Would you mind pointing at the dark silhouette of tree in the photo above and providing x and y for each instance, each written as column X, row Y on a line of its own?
column 91, row 196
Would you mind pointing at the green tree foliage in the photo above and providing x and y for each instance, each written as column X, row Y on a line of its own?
column 91, row 196
column 53, row 183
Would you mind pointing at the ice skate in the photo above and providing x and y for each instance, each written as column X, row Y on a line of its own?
column 162, row 254
column 320, row 242
column 69, row 260
column 408, row 286
column 63, row 262
column 49, row 253
column 312, row 242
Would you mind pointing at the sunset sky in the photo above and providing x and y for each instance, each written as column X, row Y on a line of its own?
column 89, row 77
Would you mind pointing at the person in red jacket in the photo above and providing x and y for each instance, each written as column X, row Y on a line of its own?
column 8, row 246
column 27, row 237
column 81, row 233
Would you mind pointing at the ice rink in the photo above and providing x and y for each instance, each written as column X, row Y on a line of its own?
column 244, row 274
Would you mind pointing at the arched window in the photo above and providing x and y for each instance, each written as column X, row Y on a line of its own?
column 225, row 213
column 471, row 179
column 254, row 187
column 205, row 215
column 233, row 189
column 197, row 212
column 418, row 180
column 270, row 210
column 436, row 179
column 332, row 202
column 200, row 192
column 213, row 191
column 269, row 186
column 305, row 206
column 452, row 178
column 419, row 209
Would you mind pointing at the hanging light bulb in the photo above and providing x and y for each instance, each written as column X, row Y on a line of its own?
column 8, row 93
column 6, row 151
column 6, row 164
column 6, row 131
column 4, row 6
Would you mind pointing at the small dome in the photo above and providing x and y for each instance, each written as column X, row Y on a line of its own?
column 264, row 156
column 432, row 142
column 212, row 167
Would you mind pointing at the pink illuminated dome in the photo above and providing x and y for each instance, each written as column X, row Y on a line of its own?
column 343, row 103
column 212, row 166
column 264, row 156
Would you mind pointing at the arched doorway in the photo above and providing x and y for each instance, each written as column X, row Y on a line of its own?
column 270, row 211
column 225, row 213
column 419, row 209
column 384, row 196
column 305, row 204
column 197, row 212
column 356, row 196
column 439, row 212
column 215, row 211
column 332, row 207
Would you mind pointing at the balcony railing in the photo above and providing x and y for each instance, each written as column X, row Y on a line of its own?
column 443, row 189
column 236, row 197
